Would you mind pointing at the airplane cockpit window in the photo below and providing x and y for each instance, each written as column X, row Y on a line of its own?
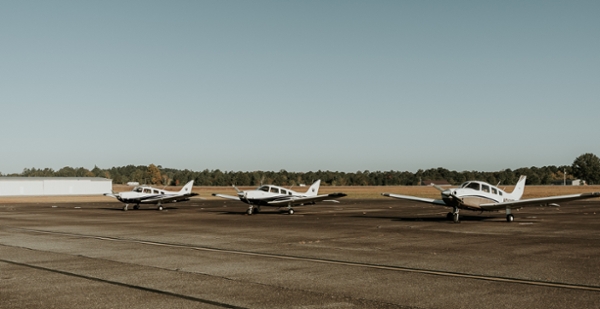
column 274, row 190
column 494, row 191
column 147, row 190
column 155, row 191
column 264, row 188
column 162, row 192
column 283, row 191
column 472, row 185
column 137, row 189
column 485, row 188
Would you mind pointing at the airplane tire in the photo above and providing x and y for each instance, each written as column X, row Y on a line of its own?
column 250, row 211
column 136, row 207
column 291, row 211
column 124, row 208
column 449, row 216
column 510, row 218
column 456, row 219
column 160, row 208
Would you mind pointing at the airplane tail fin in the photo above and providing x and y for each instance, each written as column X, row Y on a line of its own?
column 314, row 188
column 519, row 188
column 187, row 188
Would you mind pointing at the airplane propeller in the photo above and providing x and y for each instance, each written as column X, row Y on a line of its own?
column 452, row 195
column 438, row 187
column 236, row 189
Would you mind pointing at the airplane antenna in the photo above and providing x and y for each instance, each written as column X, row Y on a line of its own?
column 499, row 182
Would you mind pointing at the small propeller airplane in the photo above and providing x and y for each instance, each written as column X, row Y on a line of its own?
column 481, row 196
column 270, row 195
column 149, row 195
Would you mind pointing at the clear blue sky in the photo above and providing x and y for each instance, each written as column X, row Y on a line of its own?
column 299, row 85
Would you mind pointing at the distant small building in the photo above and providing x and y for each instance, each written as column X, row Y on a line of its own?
column 133, row 183
column 569, row 182
column 42, row 186
column 577, row 182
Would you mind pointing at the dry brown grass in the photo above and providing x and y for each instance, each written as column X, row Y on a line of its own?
column 355, row 192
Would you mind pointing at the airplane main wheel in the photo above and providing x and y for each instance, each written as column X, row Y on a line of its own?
column 449, row 216
column 510, row 218
column 160, row 208
column 456, row 220
column 291, row 211
column 136, row 207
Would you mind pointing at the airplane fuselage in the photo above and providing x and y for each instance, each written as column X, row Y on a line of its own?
column 472, row 194
column 265, row 194
column 144, row 198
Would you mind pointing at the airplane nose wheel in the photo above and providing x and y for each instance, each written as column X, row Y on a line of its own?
column 455, row 217
column 250, row 211
column 291, row 211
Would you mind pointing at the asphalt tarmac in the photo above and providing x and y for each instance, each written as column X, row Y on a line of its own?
column 381, row 253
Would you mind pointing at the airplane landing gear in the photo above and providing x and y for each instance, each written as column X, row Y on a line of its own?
column 509, row 216
column 250, row 210
column 136, row 207
column 160, row 208
column 125, row 207
column 455, row 217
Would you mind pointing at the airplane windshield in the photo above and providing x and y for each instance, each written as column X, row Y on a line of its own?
column 472, row 185
column 264, row 188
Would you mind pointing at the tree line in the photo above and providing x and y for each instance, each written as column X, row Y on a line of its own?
column 586, row 167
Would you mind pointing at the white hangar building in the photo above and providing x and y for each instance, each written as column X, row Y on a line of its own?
column 40, row 186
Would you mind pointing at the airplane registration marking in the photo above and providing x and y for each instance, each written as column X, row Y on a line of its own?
column 330, row 261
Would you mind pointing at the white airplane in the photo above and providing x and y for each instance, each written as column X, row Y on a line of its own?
column 269, row 195
column 481, row 196
column 149, row 195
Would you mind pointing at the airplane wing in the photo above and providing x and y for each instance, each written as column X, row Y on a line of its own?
column 416, row 199
column 539, row 201
column 295, row 200
column 230, row 197
column 169, row 198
